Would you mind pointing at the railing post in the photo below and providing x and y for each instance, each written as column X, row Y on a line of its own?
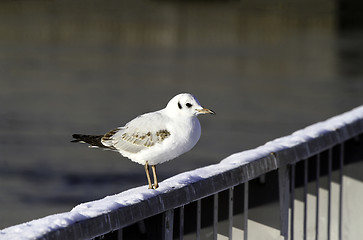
column 199, row 218
column 245, row 212
column 341, row 168
column 306, row 174
column 317, row 189
column 168, row 222
column 120, row 234
column 181, row 223
column 230, row 213
column 215, row 216
column 330, row 164
column 284, row 192
column 292, row 201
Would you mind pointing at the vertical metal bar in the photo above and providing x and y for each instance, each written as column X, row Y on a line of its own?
column 230, row 213
column 341, row 166
column 317, row 196
column 330, row 156
column 168, row 224
column 215, row 216
column 199, row 214
column 245, row 212
column 292, row 204
column 120, row 234
column 142, row 227
column 305, row 196
column 284, row 195
column 181, row 223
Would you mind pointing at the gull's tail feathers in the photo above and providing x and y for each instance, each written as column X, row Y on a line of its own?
column 93, row 140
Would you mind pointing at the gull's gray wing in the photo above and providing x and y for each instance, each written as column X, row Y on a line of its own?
column 143, row 132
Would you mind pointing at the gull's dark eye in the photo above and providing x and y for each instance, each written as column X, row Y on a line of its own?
column 189, row 105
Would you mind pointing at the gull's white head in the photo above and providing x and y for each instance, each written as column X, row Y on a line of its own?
column 186, row 104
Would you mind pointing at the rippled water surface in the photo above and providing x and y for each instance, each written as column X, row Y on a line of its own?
column 266, row 68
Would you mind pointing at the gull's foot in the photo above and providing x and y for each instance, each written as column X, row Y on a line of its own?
column 156, row 186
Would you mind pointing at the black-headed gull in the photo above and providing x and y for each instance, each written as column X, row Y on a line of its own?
column 155, row 137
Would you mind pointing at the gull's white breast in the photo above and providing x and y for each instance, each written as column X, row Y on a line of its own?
column 183, row 137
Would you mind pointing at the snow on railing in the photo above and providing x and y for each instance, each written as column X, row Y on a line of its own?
column 113, row 213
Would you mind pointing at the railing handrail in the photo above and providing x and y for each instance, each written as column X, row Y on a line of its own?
column 95, row 218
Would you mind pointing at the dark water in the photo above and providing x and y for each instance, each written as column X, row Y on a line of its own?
column 266, row 68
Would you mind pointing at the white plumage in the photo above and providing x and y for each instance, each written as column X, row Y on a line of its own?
column 155, row 137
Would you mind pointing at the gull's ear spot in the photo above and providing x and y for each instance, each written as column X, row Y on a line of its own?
column 179, row 105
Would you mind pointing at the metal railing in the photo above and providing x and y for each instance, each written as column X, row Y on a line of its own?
column 204, row 198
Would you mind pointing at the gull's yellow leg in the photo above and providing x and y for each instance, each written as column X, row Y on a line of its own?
column 156, row 185
column 148, row 174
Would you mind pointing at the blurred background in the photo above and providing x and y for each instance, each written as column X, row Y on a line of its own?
column 267, row 68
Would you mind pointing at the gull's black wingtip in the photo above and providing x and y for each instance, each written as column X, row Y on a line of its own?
column 77, row 138
column 93, row 140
